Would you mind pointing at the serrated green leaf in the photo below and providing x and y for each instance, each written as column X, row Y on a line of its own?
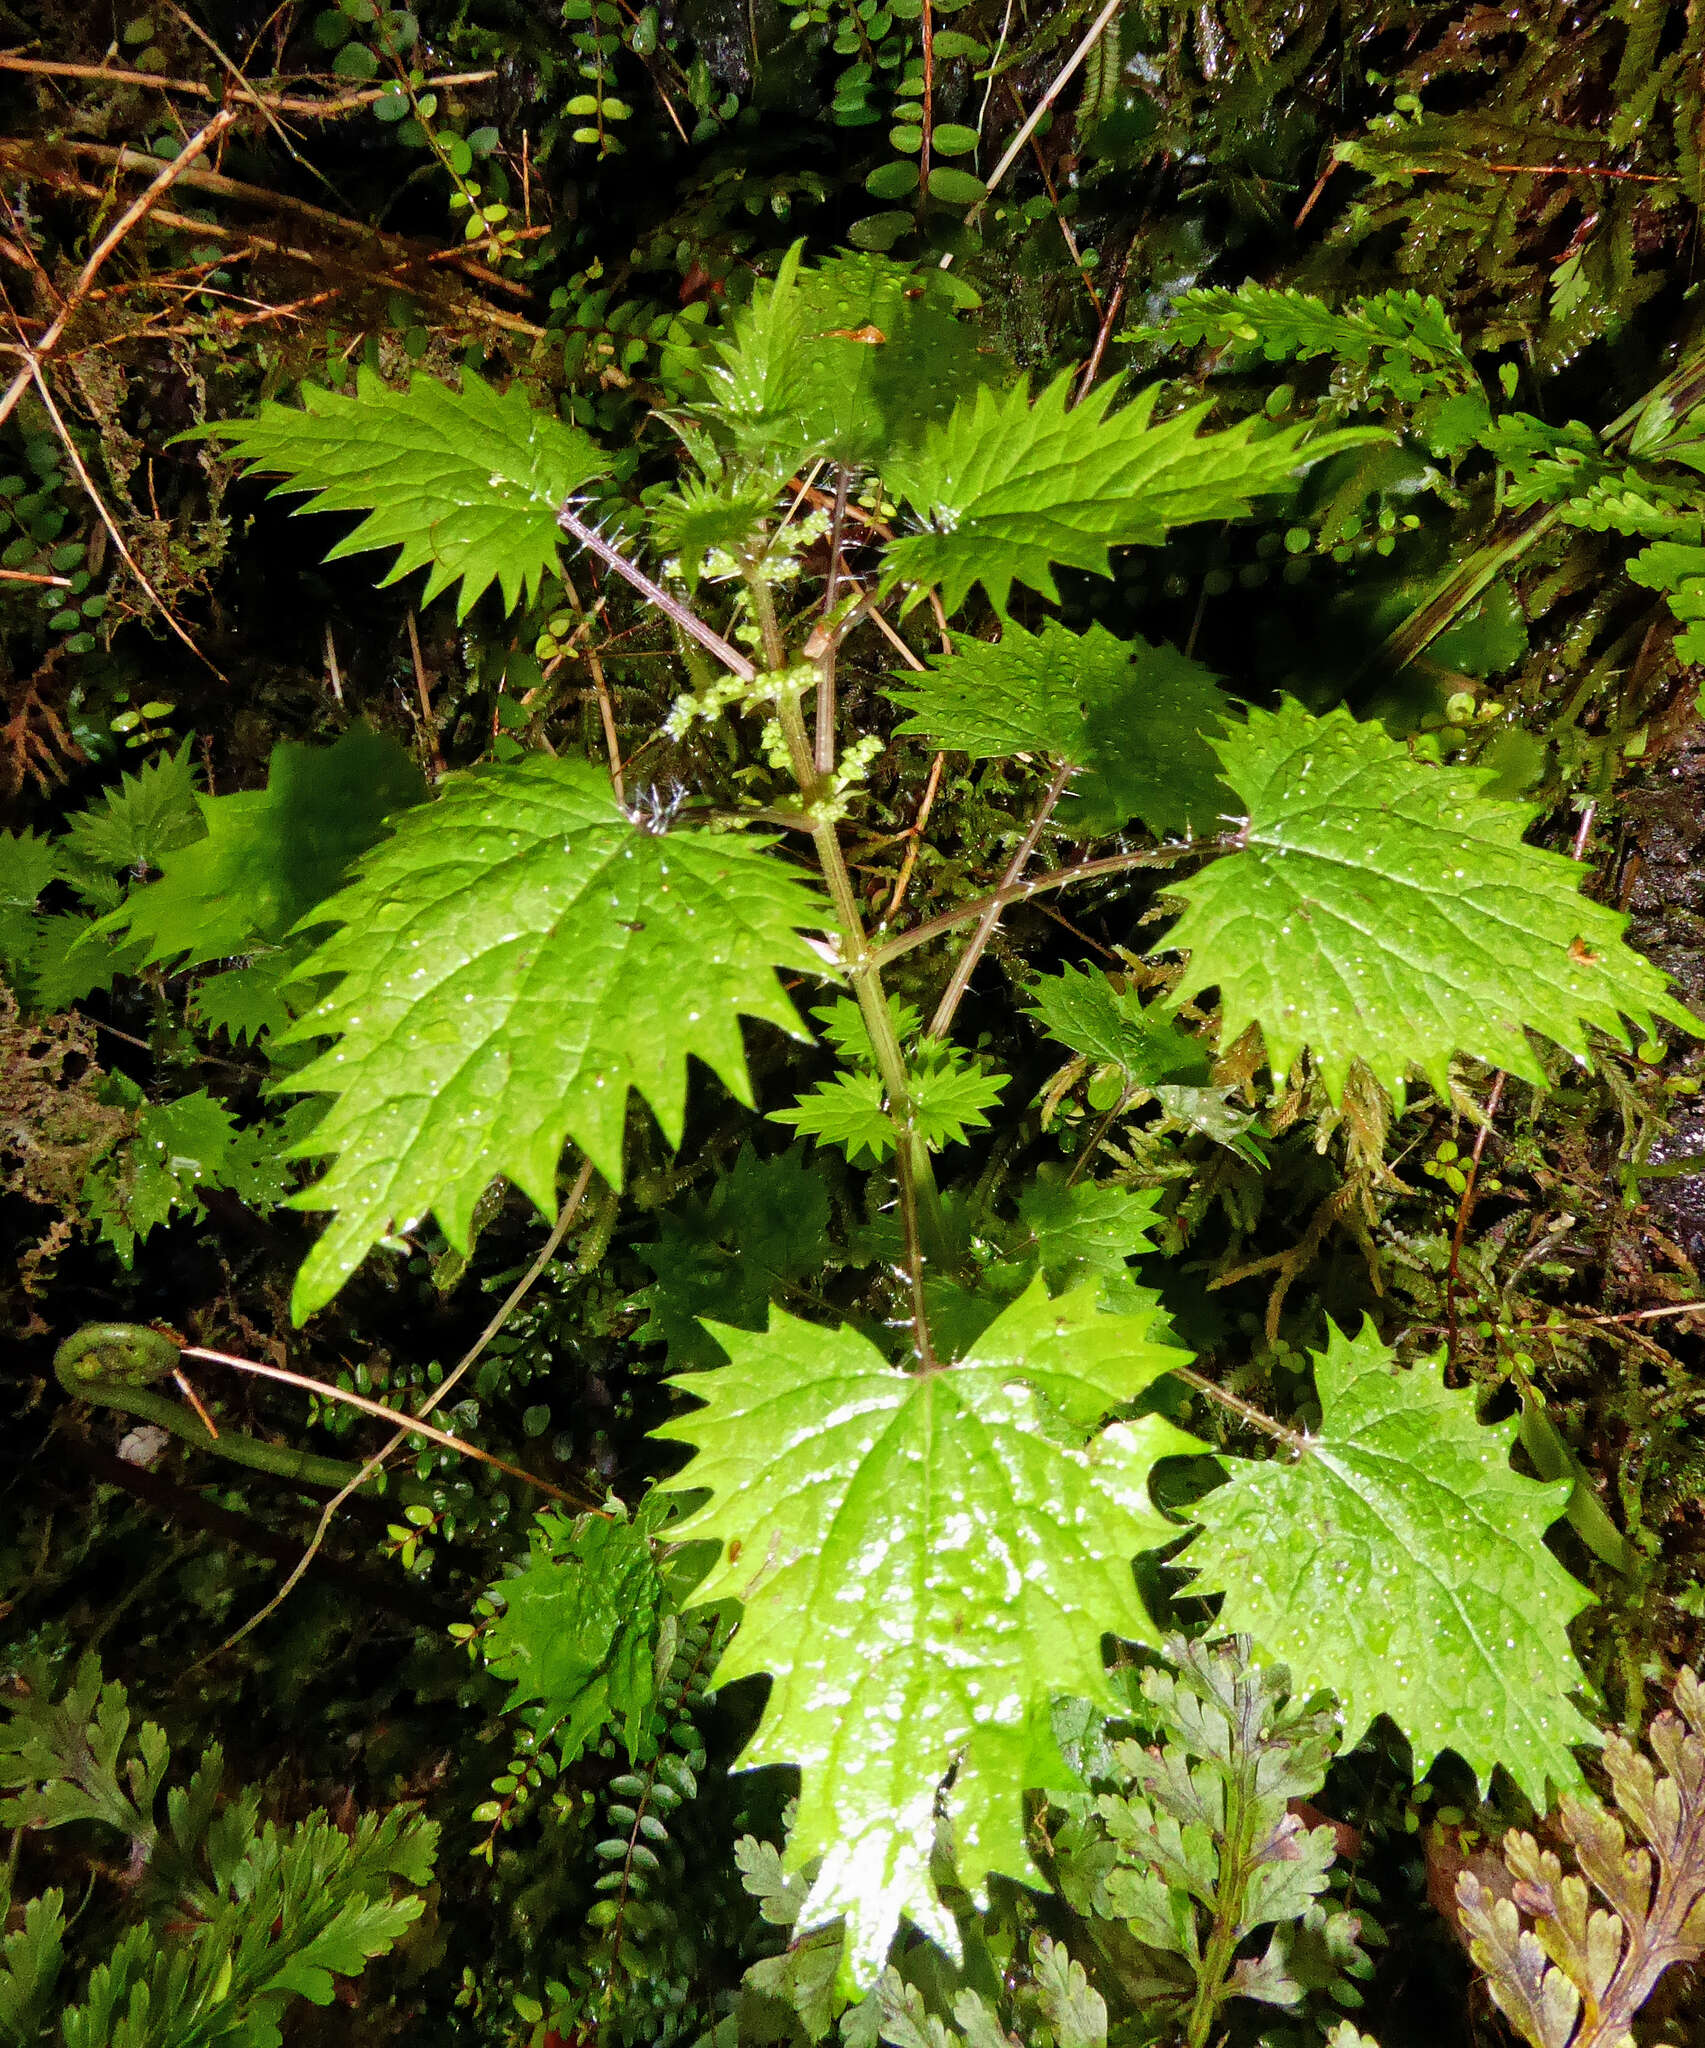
column 27, row 865
column 465, row 484
column 764, row 1225
column 1384, row 910
column 851, row 359
column 1086, row 1228
column 1006, row 488
column 269, row 855
column 513, row 960
column 150, row 814
column 1132, row 716
column 1116, row 1028
column 847, row 1111
column 578, row 1629
column 246, row 1002
column 924, row 1564
column 1400, row 1563
column 68, row 961
column 951, row 1096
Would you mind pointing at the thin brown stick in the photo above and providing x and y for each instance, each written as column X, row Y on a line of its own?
column 240, row 85
column 33, row 576
column 1465, row 1207
column 107, row 520
column 928, row 123
column 1238, row 1406
column 170, row 173
column 1062, row 78
column 914, row 839
column 194, row 1399
column 954, row 993
column 429, row 724
column 1637, row 1315
column 409, row 1425
column 1061, row 878
column 606, row 709
column 1540, row 171
column 219, row 186
column 283, row 103
column 1092, row 369
column 474, row 311
column 1313, row 198
column 512, row 1301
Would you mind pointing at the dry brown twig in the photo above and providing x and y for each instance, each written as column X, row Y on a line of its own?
column 283, row 103
column 511, row 1302
column 197, row 145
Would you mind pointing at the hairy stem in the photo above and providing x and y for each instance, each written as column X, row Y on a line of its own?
column 1017, row 892
column 920, row 1200
column 954, row 994
column 1237, row 1862
column 689, row 621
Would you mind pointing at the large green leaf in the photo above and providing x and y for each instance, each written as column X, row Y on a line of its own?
column 1131, row 715
column 514, row 959
column 1007, row 487
column 925, row 1562
column 1400, row 1562
column 1384, row 910
column 267, row 856
column 465, row 484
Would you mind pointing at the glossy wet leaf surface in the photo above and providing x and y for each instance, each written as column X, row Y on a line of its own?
column 925, row 1563
column 1400, row 1563
column 510, row 963
column 1384, row 910
column 1131, row 716
column 464, row 484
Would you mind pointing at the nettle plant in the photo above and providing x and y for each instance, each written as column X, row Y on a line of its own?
column 925, row 1521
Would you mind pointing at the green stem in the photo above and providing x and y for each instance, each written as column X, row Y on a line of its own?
column 1236, row 1868
column 115, row 1364
column 920, row 1198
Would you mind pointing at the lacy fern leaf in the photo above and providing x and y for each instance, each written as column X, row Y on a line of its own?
column 1007, row 487
column 1405, row 338
column 1384, row 910
column 1129, row 714
column 1578, row 1976
column 514, row 959
column 1401, row 1563
column 924, row 1563
column 464, row 484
